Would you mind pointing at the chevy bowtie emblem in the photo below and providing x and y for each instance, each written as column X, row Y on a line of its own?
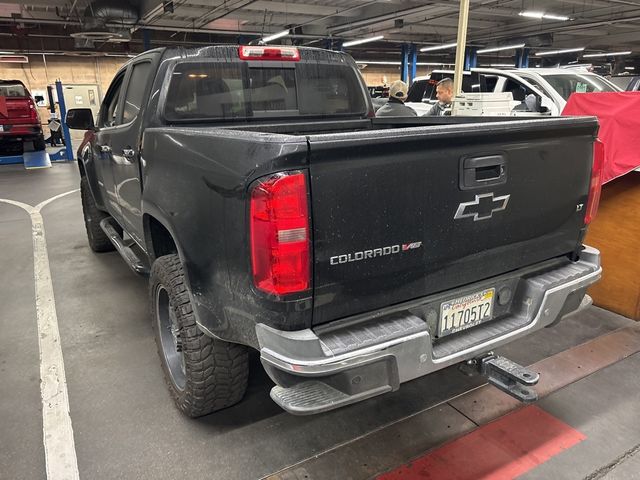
column 482, row 208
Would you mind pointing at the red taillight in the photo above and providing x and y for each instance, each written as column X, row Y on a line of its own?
column 596, row 182
column 34, row 116
column 280, row 234
column 282, row 54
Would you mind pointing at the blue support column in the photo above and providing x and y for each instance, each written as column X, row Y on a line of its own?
column 63, row 117
column 522, row 58
column 146, row 39
column 413, row 63
column 404, row 63
column 470, row 58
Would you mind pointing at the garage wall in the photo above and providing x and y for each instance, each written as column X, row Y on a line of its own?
column 36, row 75
column 379, row 75
column 101, row 70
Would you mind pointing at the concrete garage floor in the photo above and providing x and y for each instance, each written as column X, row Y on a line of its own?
column 125, row 425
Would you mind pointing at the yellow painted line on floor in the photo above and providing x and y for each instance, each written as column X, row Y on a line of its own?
column 59, row 445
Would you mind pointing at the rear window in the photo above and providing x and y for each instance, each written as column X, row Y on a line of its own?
column 566, row 84
column 232, row 90
column 13, row 89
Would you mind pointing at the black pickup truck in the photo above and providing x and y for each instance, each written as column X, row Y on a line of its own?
column 272, row 211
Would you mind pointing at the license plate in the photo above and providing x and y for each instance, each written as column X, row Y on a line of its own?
column 466, row 312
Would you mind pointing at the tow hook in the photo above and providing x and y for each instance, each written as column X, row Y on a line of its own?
column 506, row 375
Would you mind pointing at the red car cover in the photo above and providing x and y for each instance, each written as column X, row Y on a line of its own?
column 619, row 117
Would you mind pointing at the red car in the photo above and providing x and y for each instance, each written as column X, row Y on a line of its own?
column 20, row 128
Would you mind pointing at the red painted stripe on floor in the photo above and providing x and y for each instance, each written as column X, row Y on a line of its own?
column 500, row 450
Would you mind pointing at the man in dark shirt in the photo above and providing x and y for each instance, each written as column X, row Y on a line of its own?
column 444, row 94
column 395, row 106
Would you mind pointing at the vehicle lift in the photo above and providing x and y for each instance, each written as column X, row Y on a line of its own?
column 43, row 159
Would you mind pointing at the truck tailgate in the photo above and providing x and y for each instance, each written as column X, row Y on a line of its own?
column 403, row 213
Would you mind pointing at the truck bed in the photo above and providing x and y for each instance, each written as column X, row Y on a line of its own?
column 376, row 183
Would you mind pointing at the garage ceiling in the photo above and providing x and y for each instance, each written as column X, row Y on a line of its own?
column 117, row 26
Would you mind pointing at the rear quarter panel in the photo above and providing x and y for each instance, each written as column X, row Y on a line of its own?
column 196, row 183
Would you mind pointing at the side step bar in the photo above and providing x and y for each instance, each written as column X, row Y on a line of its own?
column 134, row 261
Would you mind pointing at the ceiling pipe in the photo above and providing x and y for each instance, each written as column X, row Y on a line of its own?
column 206, row 18
column 566, row 28
column 378, row 19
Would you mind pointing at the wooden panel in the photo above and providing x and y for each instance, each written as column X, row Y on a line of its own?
column 616, row 233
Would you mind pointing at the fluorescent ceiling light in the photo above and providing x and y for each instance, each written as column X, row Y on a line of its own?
column 351, row 43
column 377, row 62
column 43, row 53
column 610, row 54
column 275, row 36
column 558, row 52
column 629, row 68
column 562, row 18
column 390, row 62
column 7, row 53
column 499, row 49
column 541, row 15
column 438, row 47
column 531, row 14
column 502, row 65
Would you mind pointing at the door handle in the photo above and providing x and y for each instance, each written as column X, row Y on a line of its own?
column 128, row 153
column 105, row 148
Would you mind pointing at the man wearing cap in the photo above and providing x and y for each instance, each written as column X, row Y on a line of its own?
column 395, row 106
column 444, row 94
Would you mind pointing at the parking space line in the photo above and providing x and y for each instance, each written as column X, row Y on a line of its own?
column 500, row 450
column 59, row 445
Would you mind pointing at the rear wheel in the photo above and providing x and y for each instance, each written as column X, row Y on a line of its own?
column 203, row 374
column 38, row 144
column 98, row 240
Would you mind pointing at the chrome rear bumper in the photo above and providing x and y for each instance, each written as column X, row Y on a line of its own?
column 323, row 370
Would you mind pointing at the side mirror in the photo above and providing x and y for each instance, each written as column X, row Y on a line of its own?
column 80, row 119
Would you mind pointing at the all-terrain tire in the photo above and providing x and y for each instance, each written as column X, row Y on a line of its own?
column 213, row 373
column 39, row 144
column 98, row 240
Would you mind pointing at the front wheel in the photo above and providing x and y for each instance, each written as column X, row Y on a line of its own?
column 204, row 374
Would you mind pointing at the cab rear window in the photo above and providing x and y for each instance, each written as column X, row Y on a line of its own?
column 12, row 89
column 234, row 90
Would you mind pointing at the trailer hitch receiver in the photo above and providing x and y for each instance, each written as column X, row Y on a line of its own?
column 506, row 375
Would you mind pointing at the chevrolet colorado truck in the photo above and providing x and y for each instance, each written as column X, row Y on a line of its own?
column 273, row 211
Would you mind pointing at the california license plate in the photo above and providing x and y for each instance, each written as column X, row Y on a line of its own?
column 466, row 312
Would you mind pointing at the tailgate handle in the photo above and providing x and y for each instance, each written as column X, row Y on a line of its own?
column 483, row 171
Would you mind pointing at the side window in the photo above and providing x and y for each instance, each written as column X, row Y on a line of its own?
column 518, row 90
column 416, row 91
column 135, row 91
column 109, row 107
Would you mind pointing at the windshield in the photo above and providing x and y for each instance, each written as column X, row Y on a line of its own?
column 234, row 90
column 12, row 89
column 566, row 84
